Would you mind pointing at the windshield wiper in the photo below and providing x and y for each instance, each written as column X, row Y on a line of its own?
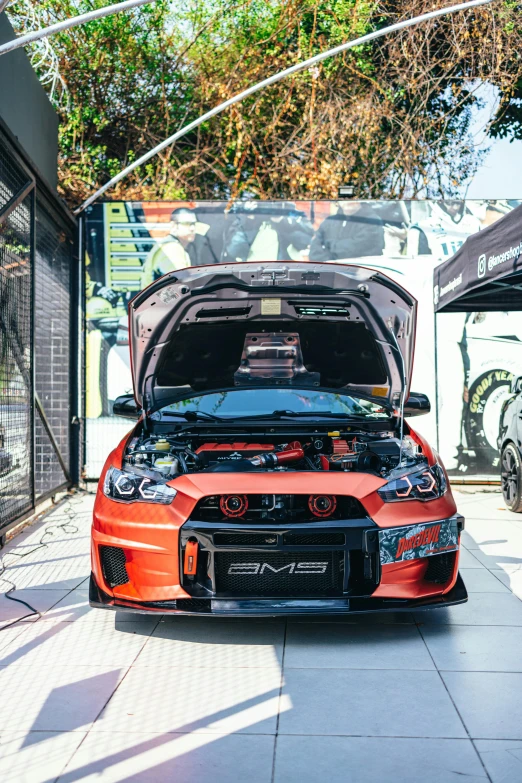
column 194, row 415
column 275, row 415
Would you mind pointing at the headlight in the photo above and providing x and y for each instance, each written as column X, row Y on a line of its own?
column 131, row 487
column 426, row 484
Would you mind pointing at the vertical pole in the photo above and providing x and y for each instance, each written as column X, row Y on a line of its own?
column 82, row 347
column 436, row 344
column 75, row 355
column 32, row 391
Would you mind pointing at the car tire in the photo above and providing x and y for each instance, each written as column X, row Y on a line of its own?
column 511, row 477
column 482, row 393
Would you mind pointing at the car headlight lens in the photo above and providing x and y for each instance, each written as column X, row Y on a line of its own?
column 132, row 488
column 426, row 484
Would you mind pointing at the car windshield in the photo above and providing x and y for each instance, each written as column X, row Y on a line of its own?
column 260, row 402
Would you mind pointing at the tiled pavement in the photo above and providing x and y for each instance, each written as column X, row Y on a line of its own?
column 87, row 695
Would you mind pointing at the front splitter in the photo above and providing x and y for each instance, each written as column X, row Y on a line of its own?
column 273, row 607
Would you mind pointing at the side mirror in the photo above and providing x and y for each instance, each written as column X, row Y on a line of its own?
column 125, row 405
column 516, row 385
column 417, row 404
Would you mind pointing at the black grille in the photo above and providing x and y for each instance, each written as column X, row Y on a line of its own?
column 314, row 539
column 280, row 573
column 193, row 604
column 245, row 539
column 113, row 565
column 440, row 568
column 16, row 343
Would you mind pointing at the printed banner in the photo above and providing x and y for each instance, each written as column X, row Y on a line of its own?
column 409, row 543
column 131, row 244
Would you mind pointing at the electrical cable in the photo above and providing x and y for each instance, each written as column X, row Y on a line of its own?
column 66, row 527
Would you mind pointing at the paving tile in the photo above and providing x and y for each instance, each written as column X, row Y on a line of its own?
column 480, row 533
column 54, row 698
column 481, row 609
column 480, row 580
column 368, row 703
column 9, row 634
column 41, row 600
column 49, row 576
column 75, row 608
column 467, row 560
column 335, row 646
column 490, row 703
column 37, row 756
column 506, row 560
column 376, row 759
column 373, row 618
column 471, row 648
column 483, row 505
column 194, row 642
column 77, row 644
column 502, row 759
column 218, row 701
column 148, row 758
column 512, row 580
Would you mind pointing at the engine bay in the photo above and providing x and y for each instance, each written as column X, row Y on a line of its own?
column 190, row 450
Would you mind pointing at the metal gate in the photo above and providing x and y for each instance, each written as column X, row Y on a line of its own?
column 37, row 343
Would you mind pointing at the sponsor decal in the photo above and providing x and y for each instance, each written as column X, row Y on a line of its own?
column 509, row 255
column 424, row 540
column 494, row 378
column 451, row 286
column 289, row 568
column 427, row 536
column 481, row 269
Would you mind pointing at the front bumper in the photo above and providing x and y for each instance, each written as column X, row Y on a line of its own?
column 277, row 607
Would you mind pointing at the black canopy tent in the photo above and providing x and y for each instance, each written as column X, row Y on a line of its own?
column 485, row 274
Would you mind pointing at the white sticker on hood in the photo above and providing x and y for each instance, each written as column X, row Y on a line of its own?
column 270, row 307
column 168, row 294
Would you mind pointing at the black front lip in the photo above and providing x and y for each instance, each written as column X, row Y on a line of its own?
column 282, row 607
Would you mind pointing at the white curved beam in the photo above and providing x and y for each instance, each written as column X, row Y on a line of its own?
column 36, row 35
column 272, row 80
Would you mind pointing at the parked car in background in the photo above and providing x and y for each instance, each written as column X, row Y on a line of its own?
column 510, row 443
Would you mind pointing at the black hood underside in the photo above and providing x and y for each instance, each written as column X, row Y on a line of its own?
column 200, row 355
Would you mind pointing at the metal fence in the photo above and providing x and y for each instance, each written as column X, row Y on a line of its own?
column 37, row 340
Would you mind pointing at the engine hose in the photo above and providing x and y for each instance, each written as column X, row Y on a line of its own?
column 272, row 460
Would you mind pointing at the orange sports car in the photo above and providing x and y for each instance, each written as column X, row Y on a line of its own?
column 271, row 469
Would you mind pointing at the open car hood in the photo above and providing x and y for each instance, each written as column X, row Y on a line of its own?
column 308, row 325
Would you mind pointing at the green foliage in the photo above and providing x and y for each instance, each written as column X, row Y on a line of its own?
column 392, row 116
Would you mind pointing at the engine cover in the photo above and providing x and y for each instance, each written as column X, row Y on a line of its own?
column 210, row 453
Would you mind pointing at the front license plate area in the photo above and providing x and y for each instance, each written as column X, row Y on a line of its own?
column 424, row 540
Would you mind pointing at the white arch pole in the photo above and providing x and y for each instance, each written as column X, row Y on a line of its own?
column 36, row 35
column 272, row 80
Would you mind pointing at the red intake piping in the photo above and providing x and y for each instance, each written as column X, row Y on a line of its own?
column 280, row 458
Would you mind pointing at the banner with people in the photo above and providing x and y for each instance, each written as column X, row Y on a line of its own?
column 463, row 362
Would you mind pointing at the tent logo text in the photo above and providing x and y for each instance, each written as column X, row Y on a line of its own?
column 482, row 266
